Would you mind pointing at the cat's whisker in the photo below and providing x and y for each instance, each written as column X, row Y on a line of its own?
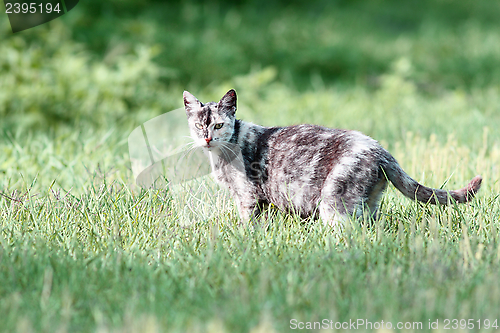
column 236, row 156
column 192, row 143
column 223, row 149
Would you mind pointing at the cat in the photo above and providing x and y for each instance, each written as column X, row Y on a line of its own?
column 310, row 170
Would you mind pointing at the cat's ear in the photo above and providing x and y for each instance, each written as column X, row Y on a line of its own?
column 190, row 102
column 228, row 102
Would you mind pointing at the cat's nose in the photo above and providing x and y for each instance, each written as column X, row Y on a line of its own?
column 208, row 140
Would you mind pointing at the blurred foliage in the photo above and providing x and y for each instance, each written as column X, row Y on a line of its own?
column 48, row 80
column 451, row 43
column 384, row 67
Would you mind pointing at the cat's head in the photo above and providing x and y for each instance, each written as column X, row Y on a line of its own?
column 211, row 124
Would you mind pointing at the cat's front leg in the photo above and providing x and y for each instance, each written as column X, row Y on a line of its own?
column 248, row 209
column 246, row 213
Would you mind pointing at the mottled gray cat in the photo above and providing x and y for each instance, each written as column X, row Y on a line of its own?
column 306, row 169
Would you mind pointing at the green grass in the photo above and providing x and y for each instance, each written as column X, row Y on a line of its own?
column 84, row 249
column 108, row 256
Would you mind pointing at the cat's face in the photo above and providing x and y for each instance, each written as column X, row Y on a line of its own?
column 211, row 124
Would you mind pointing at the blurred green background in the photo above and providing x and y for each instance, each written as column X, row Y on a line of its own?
column 383, row 64
column 391, row 69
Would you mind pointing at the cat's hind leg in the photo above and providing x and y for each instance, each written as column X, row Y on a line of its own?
column 333, row 214
column 352, row 199
column 374, row 196
column 351, row 190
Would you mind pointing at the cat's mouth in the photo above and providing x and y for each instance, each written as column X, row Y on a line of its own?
column 208, row 146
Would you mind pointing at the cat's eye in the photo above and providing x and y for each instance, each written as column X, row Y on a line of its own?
column 218, row 126
column 198, row 126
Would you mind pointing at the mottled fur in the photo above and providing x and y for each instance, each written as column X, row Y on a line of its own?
column 306, row 169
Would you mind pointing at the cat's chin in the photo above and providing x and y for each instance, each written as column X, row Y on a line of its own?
column 209, row 148
column 205, row 146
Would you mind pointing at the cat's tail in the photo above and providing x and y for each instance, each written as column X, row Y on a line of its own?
column 413, row 190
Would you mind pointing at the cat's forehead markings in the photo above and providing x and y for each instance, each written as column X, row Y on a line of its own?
column 207, row 110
